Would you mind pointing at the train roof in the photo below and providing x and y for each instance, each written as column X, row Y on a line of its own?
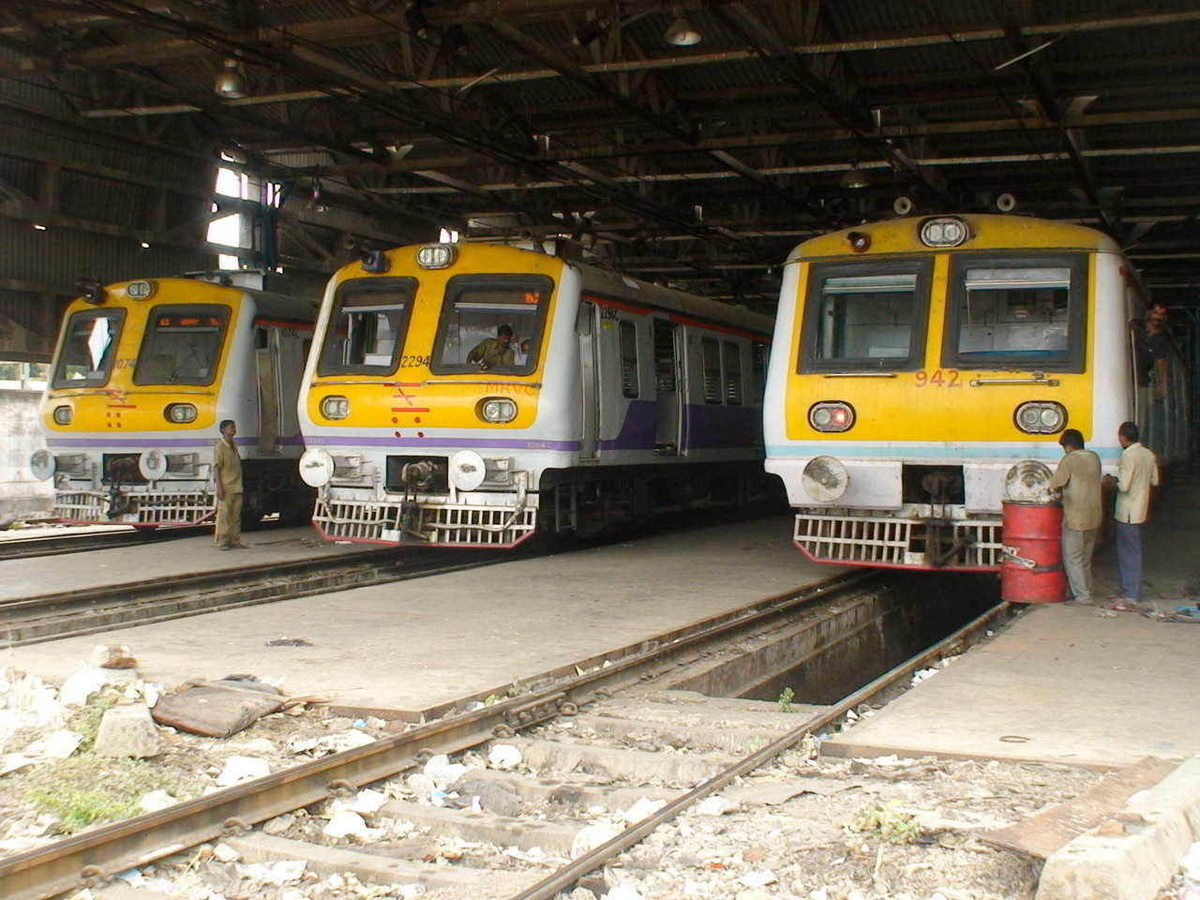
column 987, row 232
column 272, row 303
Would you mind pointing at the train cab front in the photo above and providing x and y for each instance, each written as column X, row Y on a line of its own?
column 422, row 408
column 130, row 410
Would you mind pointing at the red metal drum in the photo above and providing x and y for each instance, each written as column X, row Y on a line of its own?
column 1032, row 570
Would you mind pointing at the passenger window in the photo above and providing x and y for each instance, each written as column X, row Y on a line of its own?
column 733, row 373
column 664, row 356
column 865, row 316
column 492, row 323
column 711, row 353
column 182, row 345
column 1009, row 312
column 629, row 360
column 367, row 326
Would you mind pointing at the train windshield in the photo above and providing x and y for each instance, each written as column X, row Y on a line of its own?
column 492, row 323
column 182, row 345
column 89, row 348
column 1019, row 313
column 367, row 327
column 865, row 317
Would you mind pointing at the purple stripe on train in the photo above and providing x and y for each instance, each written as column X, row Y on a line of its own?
column 436, row 442
column 705, row 428
column 205, row 441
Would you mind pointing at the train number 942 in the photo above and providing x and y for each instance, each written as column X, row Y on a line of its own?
column 943, row 378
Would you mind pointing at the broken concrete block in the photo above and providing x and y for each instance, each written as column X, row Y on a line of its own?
column 112, row 656
column 127, row 731
column 218, row 708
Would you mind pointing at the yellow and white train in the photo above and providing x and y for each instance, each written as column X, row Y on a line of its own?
column 924, row 369
column 144, row 373
column 477, row 394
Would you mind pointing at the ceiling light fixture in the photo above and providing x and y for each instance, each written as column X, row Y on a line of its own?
column 855, row 178
column 230, row 84
column 680, row 32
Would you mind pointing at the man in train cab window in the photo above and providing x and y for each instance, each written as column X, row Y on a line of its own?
column 1078, row 479
column 227, row 477
column 1136, row 474
column 497, row 351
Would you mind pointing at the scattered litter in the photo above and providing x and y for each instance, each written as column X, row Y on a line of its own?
column 277, row 873
column 442, row 772
column 368, row 802
column 330, row 743
column 288, row 642
column 626, row 890
column 346, row 823
column 592, row 836
column 56, row 745
column 716, row 806
column 242, row 768
column 504, row 756
column 27, row 702
column 1191, row 862
column 758, row 878
column 156, row 800
column 643, row 809
column 922, row 674
column 80, row 685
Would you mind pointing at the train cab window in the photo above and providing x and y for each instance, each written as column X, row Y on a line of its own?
column 710, row 351
column 1016, row 312
column 731, row 355
column 182, row 345
column 629, row 359
column 492, row 323
column 89, row 348
column 865, row 316
column 367, row 326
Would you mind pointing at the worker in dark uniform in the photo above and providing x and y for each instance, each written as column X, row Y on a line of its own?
column 492, row 352
column 227, row 477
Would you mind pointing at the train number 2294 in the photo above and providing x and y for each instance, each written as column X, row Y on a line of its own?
column 948, row 378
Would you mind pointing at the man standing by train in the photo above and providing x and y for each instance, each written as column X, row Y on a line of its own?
column 1078, row 478
column 227, row 477
column 1136, row 474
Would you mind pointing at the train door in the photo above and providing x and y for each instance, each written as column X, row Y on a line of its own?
column 589, row 414
column 265, row 360
column 669, row 396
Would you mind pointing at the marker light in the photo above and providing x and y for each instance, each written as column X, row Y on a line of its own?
column 496, row 410
column 831, row 415
column 944, row 231
column 180, row 413
column 467, row 470
column 436, row 256
column 62, row 415
column 1028, row 482
column 1040, row 417
column 860, row 241
column 825, row 478
column 316, row 467
column 335, row 407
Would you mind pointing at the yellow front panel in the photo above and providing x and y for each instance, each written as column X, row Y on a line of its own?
column 415, row 397
column 934, row 403
column 122, row 406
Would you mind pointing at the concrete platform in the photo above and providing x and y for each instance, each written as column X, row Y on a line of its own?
column 417, row 644
column 1080, row 685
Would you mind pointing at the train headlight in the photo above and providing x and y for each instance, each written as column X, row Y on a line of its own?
column 831, row 415
column 496, row 410
column 335, row 407
column 1041, row 417
column 152, row 465
column 825, row 478
column 42, row 464
column 141, row 290
column 316, row 467
column 1028, row 482
column 436, row 256
column 63, row 415
column 180, row 413
column 944, row 231
column 467, row 470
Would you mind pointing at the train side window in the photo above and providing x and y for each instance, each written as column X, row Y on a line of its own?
column 1010, row 311
column 88, row 349
column 367, row 326
column 732, row 359
column 664, row 357
column 492, row 323
column 760, row 356
column 711, row 361
column 629, row 359
column 864, row 316
column 182, row 344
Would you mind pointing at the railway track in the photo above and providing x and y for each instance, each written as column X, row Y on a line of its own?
column 621, row 694
column 57, row 544
column 29, row 620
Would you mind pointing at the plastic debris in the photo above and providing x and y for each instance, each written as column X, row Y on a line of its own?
column 715, row 806
column 330, row 743
column 592, row 836
column 242, row 768
column 642, row 809
column 277, row 873
column 1191, row 862
column 345, row 823
column 758, row 878
column 56, row 745
column 625, row 890
column 442, row 772
column 368, row 802
column 504, row 756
